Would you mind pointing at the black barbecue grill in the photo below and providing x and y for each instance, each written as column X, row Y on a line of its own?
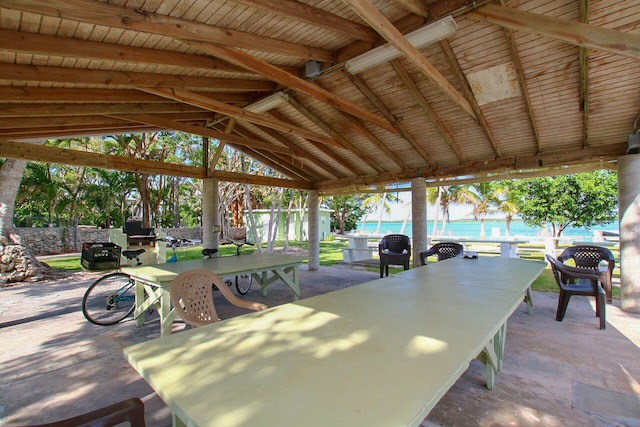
column 137, row 234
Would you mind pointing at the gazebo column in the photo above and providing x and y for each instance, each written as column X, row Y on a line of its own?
column 418, row 218
column 314, row 230
column 210, row 219
column 629, row 217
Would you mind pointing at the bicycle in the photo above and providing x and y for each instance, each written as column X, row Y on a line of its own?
column 111, row 298
column 243, row 281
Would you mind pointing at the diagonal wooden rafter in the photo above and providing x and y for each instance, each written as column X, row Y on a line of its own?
column 55, row 110
column 105, row 14
column 316, row 17
column 23, row 94
column 326, row 150
column 424, row 104
column 339, row 137
column 202, row 131
column 239, row 113
column 45, row 122
column 294, row 149
column 40, row 44
column 377, row 142
column 468, row 93
column 515, row 56
column 286, row 79
column 442, row 8
column 279, row 163
column 330, row 168
column 377, row 102
column 559, row 158
column 33, row 73
column 64, row 156
column 417, row 7
column 71, row 131
column 584, row 77
column 275, row 161
column 213, row 161
column 267, row 181
column 381, row 24
column 571, row 32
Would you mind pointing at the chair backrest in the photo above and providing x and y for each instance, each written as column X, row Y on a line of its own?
column 192, row 296
column 131, row 410
column 588, row 256
column 395, row 243
column 446, row 250
column 564, row 274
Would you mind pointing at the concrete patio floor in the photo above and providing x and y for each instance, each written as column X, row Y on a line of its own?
column 54, row 364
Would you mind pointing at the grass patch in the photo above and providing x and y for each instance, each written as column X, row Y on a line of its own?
column 330, row 254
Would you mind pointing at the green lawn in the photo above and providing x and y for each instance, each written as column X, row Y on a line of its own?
column 330, row 253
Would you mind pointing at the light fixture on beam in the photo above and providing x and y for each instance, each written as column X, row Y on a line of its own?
column 419, row 38
column 270, row 102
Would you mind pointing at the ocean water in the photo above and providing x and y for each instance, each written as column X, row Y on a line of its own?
column 493, row 228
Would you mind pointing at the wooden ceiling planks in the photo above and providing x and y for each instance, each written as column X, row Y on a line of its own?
column 407, row 123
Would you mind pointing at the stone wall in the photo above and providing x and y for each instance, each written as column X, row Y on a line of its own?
column 59, row 240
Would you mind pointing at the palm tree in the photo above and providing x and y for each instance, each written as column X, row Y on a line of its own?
column 369, row 204
column 106, row 193
column 434, row 195
column 452, row 194
column 485, row 198
column 385, row 199
column 380, row 201
column 507, row 204
column 40, row 185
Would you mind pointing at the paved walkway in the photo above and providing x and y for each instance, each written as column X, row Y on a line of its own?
column 54, row 364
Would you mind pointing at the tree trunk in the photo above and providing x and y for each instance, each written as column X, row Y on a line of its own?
column 436, row 213
column 406, row 218
column 176, row 201
column 17, row 264
column 287, row 224
column 276, row 206
column 252, row 221
column 380, row 214
column 10, row 178
column 445, row 218
column 303, row 207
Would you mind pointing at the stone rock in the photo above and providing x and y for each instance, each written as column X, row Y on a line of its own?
column 17, row 265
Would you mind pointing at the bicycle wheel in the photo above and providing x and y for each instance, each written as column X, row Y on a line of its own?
column 109, row 299
column 243, row 283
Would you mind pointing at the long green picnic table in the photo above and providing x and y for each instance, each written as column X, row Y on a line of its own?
column 381, row 353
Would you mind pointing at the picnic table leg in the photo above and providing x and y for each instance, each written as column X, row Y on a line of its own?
column 140, row 298
column 147, row 296
column 176, row 421
column 499, row 342
column 493, row 354
column 166, row 317
column 282, row 274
